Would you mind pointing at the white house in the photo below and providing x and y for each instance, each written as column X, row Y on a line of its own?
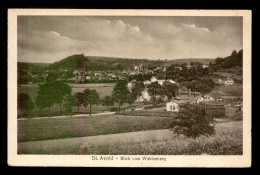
column 188, row 65
column 229, row 82
column 205, row 66
column 88, row 77
column 205, row 98
column 97, row 74
column 220, row 81
column 147, row 82
column 172, row 106
column 160, row 82
column 154, row 79
column 173, row 82
column 144, row 97
column 130, row 85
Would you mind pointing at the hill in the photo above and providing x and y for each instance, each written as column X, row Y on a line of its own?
column 113, row 63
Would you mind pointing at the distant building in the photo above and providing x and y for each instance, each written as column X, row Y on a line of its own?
column 154, row 79
column 220, row 81
column 229, row 82
column 205, row 98
column 97, row 74
column 147, row 82
column 160, row 82
column 173, row 82
column 129, row 85
column 205, row 66
column 188, row 65
column 88, row 77
column 144, row 97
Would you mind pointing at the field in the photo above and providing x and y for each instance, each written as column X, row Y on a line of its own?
column 46, row 129
column 234, row 90
column 102, row 89
column 226, row 141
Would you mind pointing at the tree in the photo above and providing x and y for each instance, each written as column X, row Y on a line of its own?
column 52, row 92
column 69, row 101
column 138, row 88
column 132, row 96
column 25, row 103
column 62, row 90
column 46, row 96
column 192, row 121
column 154, row 89
column 107, row 101
column 170, row 90
column 120, row 93
column 80, row 99
column 93, row 99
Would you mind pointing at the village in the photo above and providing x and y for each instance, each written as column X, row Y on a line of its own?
column 158, row 77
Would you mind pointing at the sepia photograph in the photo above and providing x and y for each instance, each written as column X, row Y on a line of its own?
column 167, row 88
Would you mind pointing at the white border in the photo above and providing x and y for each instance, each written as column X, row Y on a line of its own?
column 85, row 160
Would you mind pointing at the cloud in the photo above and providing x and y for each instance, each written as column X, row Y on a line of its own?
column 193, row 26
column 150, row 38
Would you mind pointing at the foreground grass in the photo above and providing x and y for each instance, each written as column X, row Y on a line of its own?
column 47, row 129
column 223, row 143
column 226, row 141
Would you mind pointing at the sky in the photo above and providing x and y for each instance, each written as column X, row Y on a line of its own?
column 46, row 39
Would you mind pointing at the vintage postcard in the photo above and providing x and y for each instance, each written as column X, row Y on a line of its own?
column 129, row 88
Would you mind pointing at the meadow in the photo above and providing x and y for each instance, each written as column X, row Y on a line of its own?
column 57, row 128
column 228, row 140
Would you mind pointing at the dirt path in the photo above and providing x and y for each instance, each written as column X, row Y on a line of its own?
column 84, row 142
column 78, row 115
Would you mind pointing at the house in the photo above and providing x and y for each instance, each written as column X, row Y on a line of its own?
column 188, row 65
column 173, row 82
column 154, row 79
column 147, row 82
column 205, row 66
column 132, row 73
column 160, row 82
column 97, row 74
column 205, row 98
column 144, row 97
column 229, row 82
column 218, row 98
column 172, row 106
column 220, row 81
column 129, row 85
column 88, row 77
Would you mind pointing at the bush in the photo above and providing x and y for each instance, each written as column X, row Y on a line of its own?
column 192, row 121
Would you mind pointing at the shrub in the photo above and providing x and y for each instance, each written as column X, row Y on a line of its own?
column 192, row 121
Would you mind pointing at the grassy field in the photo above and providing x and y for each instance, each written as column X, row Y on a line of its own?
column 46, row 129
column 233, row 90
column 223, row 143
column 226, row 141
